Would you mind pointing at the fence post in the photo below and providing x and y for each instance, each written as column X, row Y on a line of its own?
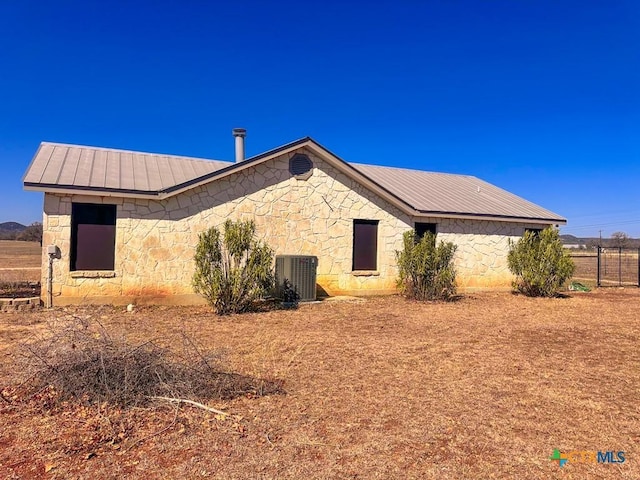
column 598, row 269
column 639, row 267
column 619, row 266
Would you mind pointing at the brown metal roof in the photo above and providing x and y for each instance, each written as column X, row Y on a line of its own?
column 122, row 172
column 91, row 168
column 438, row 193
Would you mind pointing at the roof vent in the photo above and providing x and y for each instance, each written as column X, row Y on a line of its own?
column 239, row 134
column 300, row 166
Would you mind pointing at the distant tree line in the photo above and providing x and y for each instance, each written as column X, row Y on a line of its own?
column 617, row 240
column 32, row 233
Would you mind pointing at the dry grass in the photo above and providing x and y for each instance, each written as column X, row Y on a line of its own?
column 19, row 275
column 615, row 269
column 485, row 387
column 14, row 254
column 19, row 262
column 586, row 268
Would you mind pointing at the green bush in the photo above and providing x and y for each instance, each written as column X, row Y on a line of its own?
column 233, row 269
column 426, row 270
column 540, row 264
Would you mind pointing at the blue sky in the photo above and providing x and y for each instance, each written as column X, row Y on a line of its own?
column 539, row 97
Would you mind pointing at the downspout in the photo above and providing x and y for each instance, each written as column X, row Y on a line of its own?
column 54, row 252
column 50, row 283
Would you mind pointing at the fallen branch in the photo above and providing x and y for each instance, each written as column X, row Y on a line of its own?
column 190, row 402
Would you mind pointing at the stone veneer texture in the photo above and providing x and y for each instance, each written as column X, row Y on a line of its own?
column 155, row 240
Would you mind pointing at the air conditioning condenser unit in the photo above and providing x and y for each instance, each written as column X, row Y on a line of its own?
column 300, row 270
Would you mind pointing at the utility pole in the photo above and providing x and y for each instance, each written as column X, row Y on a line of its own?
column 600, row 244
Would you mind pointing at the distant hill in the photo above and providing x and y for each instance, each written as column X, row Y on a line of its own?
column 17, row 231
column 570, row 239
column 594, row 241
column 12, row 227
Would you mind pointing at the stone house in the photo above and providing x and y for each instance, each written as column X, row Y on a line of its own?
column 126, row 223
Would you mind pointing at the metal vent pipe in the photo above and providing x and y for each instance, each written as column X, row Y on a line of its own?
column 239, row 133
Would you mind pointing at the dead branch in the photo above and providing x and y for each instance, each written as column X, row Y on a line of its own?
column 190, row 402
column 203, row 358
column 90, row 365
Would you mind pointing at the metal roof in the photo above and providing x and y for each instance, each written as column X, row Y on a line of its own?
column 439, row 193
column 92, row 168
column 62, row 167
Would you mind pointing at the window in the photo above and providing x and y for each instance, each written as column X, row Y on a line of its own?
column 535, row 231
column 365, row 244
column 422, row 228
column 93, row 236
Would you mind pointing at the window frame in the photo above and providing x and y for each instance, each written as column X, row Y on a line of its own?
column 93, row 227
column 368, row 261
column 536, row 231
column 431, row 227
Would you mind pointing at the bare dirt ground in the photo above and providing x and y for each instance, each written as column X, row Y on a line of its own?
column 485, row 387
column 19, row 267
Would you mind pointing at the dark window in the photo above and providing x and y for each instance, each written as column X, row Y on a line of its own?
column 365, row 244
column 93, row 236
column 422, row 228
column 535, row 231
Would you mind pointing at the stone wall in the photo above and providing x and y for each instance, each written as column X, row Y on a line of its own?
column 19, row 304
column 155, row 240
column 481, row 256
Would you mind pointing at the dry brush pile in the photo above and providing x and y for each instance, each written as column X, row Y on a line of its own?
column 81, row 360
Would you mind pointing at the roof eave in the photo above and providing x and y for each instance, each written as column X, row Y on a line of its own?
column 26, row 173
column 493, row 217
column 91, row 191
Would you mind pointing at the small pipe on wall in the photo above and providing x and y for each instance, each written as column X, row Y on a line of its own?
column 54, row 252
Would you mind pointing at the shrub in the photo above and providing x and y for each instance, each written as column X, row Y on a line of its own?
column 233, row 269
column 426, row 270
column 540, row 264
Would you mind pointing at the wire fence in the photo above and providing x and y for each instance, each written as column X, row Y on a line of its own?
column 608, row 267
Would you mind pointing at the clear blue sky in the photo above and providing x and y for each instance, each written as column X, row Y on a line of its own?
column 540, row 97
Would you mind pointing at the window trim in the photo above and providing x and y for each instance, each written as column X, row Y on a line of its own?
column 365, row 271
column 435, row 228
column 105, row 214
